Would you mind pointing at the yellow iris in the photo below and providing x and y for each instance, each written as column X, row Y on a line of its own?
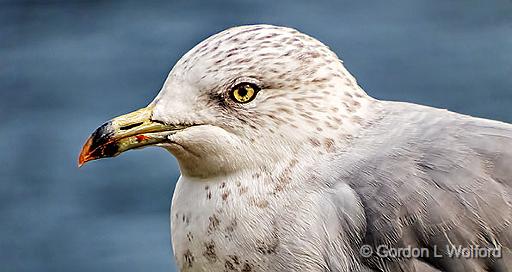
column 243, row 93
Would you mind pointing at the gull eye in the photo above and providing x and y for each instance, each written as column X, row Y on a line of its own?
column 244, row 92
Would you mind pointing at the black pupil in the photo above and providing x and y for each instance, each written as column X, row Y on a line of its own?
column 242, row 91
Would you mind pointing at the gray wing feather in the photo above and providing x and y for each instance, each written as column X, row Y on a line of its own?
column 429, row 178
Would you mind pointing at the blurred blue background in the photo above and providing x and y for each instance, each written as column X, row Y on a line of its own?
column 67, row 66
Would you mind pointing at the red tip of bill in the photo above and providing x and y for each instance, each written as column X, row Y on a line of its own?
column 85, row 153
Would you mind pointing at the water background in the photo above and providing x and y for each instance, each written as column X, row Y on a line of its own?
column 67, row 66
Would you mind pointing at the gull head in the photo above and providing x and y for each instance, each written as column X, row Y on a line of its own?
column 242, row 99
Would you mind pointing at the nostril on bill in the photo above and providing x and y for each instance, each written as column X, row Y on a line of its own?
column 130, row 126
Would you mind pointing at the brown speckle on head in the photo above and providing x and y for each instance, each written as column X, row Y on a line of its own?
column 279, row 188
column 262, row 203
column 258, row 202
column 331, row 125
column 356, row 104
column 293, row 163
column 286, row 175
column 329, row 145
column 358, row 120
column 315, row 142
column 301, row 90
column 336, row 120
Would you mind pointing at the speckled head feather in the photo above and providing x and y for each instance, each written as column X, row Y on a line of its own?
column 305, row 92
column 242, row 163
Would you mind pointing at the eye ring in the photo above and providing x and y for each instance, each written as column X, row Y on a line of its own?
column 244, row 92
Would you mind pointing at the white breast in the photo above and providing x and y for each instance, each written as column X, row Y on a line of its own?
column 221, row 224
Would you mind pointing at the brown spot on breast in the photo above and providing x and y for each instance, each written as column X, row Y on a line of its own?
column 214, row 223
column 189, row 258
column 231, row 227
column 190, row 236
column 209, row 195
column 234, row 259
column 246, row 268
column 225, row 195
column 242, row 190
column 266, row 248
column 209, row 251
column 228, row 233
column 222, row 185
column 185, row 219
column 229, row 266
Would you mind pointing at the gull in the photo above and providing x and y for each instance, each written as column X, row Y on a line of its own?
column 287, row 164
